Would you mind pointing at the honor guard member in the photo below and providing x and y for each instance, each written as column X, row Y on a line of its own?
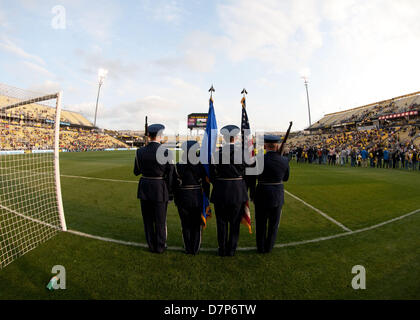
column 269, row 194
column 189, row 184
column 229, row 192
column 154, row 189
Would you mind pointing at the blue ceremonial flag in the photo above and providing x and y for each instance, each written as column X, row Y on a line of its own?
column 208, row 146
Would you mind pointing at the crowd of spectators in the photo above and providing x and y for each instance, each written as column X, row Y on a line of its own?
column 381, row 148
column 36, row 136
column 33, row 111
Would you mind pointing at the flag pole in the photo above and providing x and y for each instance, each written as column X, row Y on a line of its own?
column 211, row 90
column 206, row 210
column 244, row 92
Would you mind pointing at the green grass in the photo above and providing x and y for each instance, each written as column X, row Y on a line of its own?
column 356, row 197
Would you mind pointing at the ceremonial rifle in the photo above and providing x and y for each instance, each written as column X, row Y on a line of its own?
column 145, row 132
column 283, row 143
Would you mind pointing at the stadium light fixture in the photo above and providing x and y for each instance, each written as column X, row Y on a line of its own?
column 305, row 80
column 102, row 73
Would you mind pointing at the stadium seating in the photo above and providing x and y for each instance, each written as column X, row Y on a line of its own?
column 369, row 112
column 358, row 139
column 40, row 112
column 30, row 127
column 40, row 136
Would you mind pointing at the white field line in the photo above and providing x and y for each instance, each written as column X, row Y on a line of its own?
column 339, row 235
column 279, row 245
column 29, row 218
column 326, row 216
column 100, row 179
column 290, row 194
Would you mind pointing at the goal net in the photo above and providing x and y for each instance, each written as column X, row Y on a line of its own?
column 31, row 209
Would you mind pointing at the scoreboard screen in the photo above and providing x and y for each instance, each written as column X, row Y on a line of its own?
column 197, row 120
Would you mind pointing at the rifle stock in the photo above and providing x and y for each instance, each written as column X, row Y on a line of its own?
column 283, row 143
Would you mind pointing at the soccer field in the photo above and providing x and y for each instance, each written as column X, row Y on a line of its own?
column 334, row 218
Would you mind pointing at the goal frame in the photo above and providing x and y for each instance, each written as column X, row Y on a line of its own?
column 58, row 97
column 57, row 162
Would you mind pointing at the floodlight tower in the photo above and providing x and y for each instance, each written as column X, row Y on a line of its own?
column 102, row 73
column 305, row 80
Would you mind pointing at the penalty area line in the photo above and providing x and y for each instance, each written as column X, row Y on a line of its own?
column 339, row 235
column 326, row 216
column 279, row 245
column 287, row 192
column 100, row 179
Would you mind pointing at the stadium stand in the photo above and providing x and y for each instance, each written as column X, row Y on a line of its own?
column 371, row 114
column 381, row 134
column 36, row 136
column 30, row 127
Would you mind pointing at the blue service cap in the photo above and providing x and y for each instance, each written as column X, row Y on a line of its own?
column 270, row 138
column 230, row 130
column 155, row 128
column 188, row 144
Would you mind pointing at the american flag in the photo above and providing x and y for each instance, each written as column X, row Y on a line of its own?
column 247, row 147
column 246, row 139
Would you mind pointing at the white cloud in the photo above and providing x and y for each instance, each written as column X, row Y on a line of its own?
column 8, row 45
column 168, row 11
column 200, row 50
column 41, row 71
column 198, row 53
column 367, row 27
column 3, row 20
column 168, row 102
column 95, row 19
column 283, row 34
column 46, row 87
column 264, row 82
column 131, row 114
column 118, row 68
column 374, row 50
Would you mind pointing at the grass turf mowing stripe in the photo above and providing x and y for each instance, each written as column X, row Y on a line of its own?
column 292, row 195
column 280, row 245
column 319, row 211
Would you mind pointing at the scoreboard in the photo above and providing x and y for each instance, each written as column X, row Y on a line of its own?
column 197, row 120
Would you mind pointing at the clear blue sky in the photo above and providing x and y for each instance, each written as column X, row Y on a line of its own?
column 162, row 57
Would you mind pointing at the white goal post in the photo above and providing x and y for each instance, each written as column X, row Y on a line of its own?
column 31, row 206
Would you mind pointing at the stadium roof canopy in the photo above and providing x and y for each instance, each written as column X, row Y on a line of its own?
column 367, row 112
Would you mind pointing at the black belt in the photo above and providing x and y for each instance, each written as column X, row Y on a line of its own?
column 190, row 187
column 152, row 178
column 270, row 183
column 230, row 179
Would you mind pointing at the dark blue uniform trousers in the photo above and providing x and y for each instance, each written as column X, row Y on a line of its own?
column 228, row 219
column 191, row 228
column 154, row 219
column 267, row 220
